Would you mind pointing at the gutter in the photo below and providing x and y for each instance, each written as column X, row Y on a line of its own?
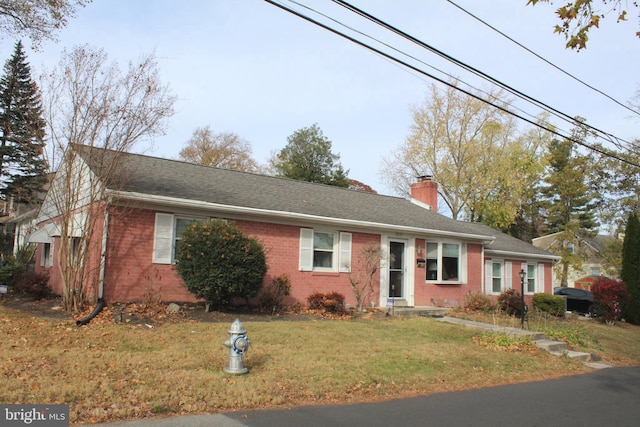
column 523, row 254
column 195, row 204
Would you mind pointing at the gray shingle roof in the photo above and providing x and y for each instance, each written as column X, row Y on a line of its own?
column 176, row 179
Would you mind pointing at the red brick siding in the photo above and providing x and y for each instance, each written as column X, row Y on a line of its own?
column 91, row 275
column 131, row 276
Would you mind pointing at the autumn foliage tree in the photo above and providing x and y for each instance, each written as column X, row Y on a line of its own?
column 222, row 150
column 472, row 150
column 579, row 17
column 610, row 298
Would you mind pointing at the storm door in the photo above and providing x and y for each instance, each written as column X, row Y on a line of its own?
column 396, row 269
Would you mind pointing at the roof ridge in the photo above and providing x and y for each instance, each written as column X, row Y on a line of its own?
column 256, row 174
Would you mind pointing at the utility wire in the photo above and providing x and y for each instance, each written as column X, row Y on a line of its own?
column 544, row 59
column 412, row 67
column 457, row 79
column 609, row 137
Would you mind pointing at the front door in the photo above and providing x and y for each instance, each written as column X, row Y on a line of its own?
column 396, row 269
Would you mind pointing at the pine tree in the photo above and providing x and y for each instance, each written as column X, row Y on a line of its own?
column 630, row 273
column 308, row 157
column 568, row 199
column 22, row 164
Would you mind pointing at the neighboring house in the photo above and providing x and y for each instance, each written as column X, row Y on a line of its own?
column 16, row 222
column 313, row 233
column 589, row 248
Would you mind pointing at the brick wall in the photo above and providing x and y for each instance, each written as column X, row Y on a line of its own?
column 131, row 276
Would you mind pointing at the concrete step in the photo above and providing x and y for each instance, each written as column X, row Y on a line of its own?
column 552, row 346
column 575, row 355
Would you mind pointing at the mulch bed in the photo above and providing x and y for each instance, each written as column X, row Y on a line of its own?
column 157, row 313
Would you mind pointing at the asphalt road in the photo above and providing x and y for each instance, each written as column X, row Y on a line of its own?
column 604, row 397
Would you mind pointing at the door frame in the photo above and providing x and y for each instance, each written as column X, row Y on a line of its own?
column 408, row 274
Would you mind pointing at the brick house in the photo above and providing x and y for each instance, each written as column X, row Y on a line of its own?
column 313, row 233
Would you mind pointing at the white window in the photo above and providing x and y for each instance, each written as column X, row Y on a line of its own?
column 533, row 281
column 531, row 278
column 496, row 277
column 324, row 250
column 444, row 262
column 168, row 230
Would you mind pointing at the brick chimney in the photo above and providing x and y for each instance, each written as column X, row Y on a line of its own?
column 425, row 192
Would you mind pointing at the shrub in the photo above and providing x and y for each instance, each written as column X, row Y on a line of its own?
column 552, row 304
column 610, row 298
column 332, row 302
column 271, row 297
column 10, row 273
column 510, row 301
column 477, row 301
column 218, row 262
column 34, row 284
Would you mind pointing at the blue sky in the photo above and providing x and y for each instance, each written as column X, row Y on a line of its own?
column 247, row 67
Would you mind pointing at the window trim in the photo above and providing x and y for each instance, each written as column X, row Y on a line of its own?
column 462, row 253
column 341, row 252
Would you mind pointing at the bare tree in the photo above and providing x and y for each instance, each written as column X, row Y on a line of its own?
column 91, row 103
column 37, row 19
column 364, row 272
column 223, row 150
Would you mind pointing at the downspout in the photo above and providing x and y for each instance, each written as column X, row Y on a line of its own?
column 103, row 258
column 103, row 255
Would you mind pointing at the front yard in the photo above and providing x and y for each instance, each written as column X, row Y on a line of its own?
column 112, row 370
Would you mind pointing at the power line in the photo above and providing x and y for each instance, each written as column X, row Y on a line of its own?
column 544, row 59
column 609, row 137
column 457, row 79
column 414, row 68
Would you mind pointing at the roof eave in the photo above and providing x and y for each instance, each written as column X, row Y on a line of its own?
column 196, row 204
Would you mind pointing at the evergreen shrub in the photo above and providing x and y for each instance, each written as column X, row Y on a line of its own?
column 552, row 304
column 218, row 262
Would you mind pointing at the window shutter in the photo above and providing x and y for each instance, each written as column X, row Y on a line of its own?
column 540, row 281
column 488, row 276
column 508, row 275
column 306, row 249
column 345, row 252
column 163, row 239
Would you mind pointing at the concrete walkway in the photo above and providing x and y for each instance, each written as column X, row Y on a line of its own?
column 557, row 348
